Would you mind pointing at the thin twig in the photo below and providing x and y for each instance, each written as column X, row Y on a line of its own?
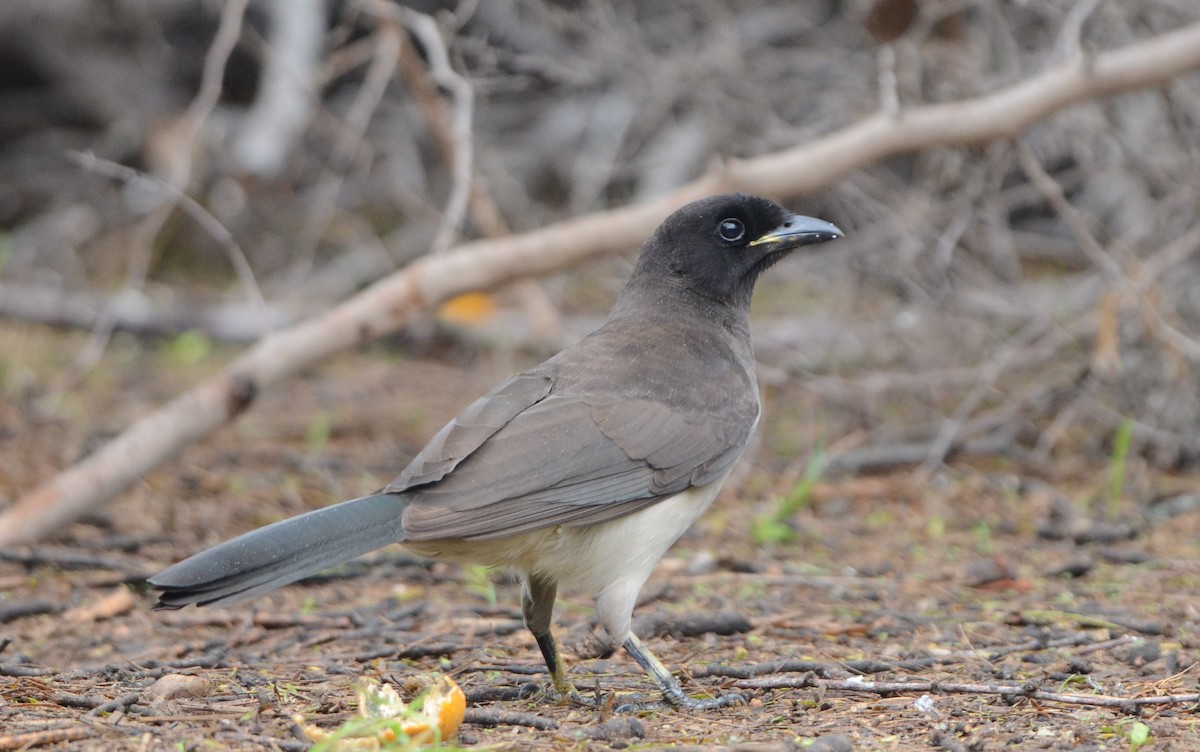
column 1169, row 257
column 1175, row 253
column 1053, row 193
column 1069, row 44
column 346, row 146
column 211, row 81
column 991, row 371
column 1009, row 691
column 463, row 96
column 124, row 702
column 31, row 739
column 494, row 717
column 453, row 143
column 1187, row 346
column 201, row 216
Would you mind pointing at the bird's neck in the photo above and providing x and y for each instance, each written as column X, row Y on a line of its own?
column 652, row 298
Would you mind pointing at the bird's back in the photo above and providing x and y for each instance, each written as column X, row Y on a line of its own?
column 612, row 425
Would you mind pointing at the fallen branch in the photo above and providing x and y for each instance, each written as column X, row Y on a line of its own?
column 10, row 669
column 1028, row 690
column 841, row 669
column 124, row 702
column 31, row 739
column 11, row 611
column 136, row 311
column 492, row 717
column 71, row 559
column 386, row 306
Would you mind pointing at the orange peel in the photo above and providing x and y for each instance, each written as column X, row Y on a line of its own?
column 438, row 718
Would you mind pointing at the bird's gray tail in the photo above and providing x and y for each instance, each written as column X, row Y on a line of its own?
column 270, row 557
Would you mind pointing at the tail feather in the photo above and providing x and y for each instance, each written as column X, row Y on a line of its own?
column 270, row 557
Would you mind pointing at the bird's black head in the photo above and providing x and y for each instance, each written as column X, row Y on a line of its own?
column 715, row 248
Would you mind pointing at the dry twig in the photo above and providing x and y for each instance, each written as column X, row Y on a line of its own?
column 459, row 133
column 385, row 53
column 1007, row 691
column 31, row 739
column 452, row 130
column 494, row 717
column 198, row 214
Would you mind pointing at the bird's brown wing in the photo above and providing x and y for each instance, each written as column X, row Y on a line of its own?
column 564, row 460
column 473, row 426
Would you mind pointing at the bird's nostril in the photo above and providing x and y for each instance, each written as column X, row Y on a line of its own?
column 787, row 224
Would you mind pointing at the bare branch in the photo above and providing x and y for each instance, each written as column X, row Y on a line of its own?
column 232, row 14
column 284, row 104
column 384, row 57
column 1002, row 115
column 387, row 305
column 1069, row 44
column 1053, row 193
column 453, row 133
column 202, row 217
column 137, row 312
column 463, row 96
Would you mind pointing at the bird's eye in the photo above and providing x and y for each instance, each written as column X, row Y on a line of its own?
column 731, row 230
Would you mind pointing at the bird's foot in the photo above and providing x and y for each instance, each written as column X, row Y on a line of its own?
column 708, row 703
column 560, row 692
column 681, row 701
column 672, row 691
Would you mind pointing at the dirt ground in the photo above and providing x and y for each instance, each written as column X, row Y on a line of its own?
column 988, row 574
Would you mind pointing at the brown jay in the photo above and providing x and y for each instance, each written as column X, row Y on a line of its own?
column 581, row 472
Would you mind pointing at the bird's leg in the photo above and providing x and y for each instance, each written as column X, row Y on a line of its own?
column 672, row 690
column 537, row 606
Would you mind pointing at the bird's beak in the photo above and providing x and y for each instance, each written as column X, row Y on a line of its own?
column 796, row 231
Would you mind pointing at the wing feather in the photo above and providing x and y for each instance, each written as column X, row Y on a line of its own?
column 459, row 438
column 564, row 461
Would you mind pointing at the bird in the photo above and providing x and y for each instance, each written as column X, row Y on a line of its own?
column 581, row 472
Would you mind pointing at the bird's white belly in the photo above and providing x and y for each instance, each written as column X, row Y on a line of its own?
column 592, row 558
column 588, row 559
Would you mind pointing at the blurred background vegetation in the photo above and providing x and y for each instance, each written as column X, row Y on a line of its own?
column 971, row 311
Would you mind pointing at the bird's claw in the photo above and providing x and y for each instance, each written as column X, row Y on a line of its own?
column 711, row 703
column 682, row 701
column 565, row 695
